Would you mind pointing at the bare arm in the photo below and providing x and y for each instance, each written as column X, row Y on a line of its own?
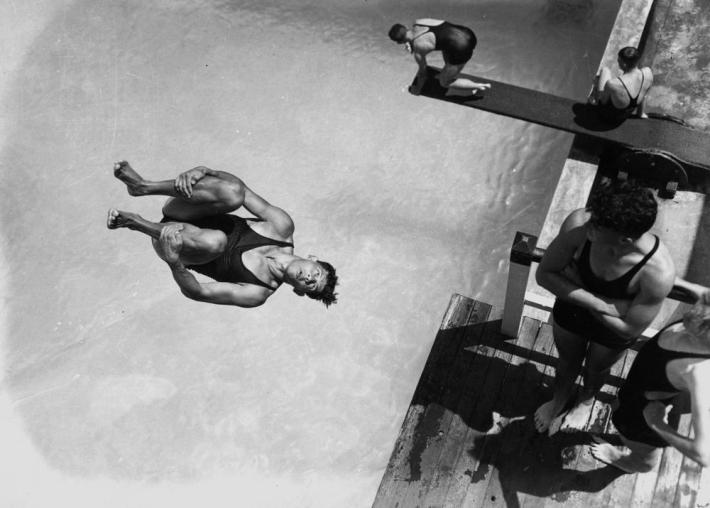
column 222, row 293
column 420, row 58
column 558, row 258
column 644, row 307
column 696, row 448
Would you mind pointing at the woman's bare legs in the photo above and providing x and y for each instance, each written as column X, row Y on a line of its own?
column 571, row 350
column 448, row 77
column 211, row 195
column 598, row 363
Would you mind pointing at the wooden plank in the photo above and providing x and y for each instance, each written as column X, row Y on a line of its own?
column 669, row 471
column 513, row 462
column 690, row 145
column 447, row 410
column 621, row 491
column 519, row 374
column 459, row 431
column 406, row 472
column 470, row 390
column 688, row 484
column 399, row 471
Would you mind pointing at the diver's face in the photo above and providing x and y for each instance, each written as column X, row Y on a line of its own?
column 306, row 275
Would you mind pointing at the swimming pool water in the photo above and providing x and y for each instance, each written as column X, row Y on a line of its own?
column 120, row 391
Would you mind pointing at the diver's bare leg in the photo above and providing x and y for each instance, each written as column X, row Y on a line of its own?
column 210, row 195
column 199, row 245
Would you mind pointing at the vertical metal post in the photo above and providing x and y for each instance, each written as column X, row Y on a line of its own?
column 520, row 260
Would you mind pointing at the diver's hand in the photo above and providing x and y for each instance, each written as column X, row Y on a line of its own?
column 186, row 179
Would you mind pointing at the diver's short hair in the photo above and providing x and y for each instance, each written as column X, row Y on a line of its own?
column 630, row 56
column 327, row 295
column 623, row 207
column 398, row 32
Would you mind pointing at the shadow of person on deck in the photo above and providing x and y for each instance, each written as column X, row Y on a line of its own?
column 478, row 393
column 535, row 464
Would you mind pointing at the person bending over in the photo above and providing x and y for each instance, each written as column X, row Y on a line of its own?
column 620, row 97
column 610, row 277
column 456, row 44
column 676, row 361
column 248, row 259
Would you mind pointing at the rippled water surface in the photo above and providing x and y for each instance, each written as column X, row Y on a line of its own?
column 121, row 392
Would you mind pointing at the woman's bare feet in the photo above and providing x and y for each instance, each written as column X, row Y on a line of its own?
column 134, row 182
column 118, row 219
column 544, row 416
column 577, row 417
column 620, row 459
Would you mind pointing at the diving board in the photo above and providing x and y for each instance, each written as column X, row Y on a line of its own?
column 689, row 145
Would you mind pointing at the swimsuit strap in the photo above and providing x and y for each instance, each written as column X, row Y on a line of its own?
column 632, row 99
column 645, row 259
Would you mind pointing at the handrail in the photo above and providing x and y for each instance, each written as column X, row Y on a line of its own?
column 523, row 253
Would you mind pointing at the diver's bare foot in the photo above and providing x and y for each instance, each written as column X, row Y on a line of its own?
column 609, row 454
column 544, row 416
column 577, row 417
column 118, row 219
column 134, row 182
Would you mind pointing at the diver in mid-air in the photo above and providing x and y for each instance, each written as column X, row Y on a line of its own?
column 248, row 258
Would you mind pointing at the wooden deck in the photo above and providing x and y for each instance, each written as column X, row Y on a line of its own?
column 468, row 439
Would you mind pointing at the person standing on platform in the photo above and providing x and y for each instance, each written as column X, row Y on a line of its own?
column 456, row 44
column 674, row 362
column 618, row 98
column 248, row 259
column 610, row 277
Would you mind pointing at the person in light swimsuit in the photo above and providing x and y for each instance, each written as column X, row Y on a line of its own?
column 610, row 276
column 248, row 259
column 456, row 43
column 618, row 98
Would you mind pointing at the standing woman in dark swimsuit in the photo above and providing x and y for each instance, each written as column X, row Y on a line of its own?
column 619, row 98
column 456, row 44
column 675, row 361
column 609, row 275
column 248, row 259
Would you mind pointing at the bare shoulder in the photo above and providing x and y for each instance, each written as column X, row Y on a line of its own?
column 576, row 222
column 659, row 273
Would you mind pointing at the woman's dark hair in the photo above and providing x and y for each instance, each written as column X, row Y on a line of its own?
column 629, row 56
column 398, row 33
column 623, row 207
column 327, row 295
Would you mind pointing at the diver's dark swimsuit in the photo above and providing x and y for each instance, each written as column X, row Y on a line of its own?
column 228, row 267
column 455, row 42
column 613, row 115
column 647, row 374
column 579, row 320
